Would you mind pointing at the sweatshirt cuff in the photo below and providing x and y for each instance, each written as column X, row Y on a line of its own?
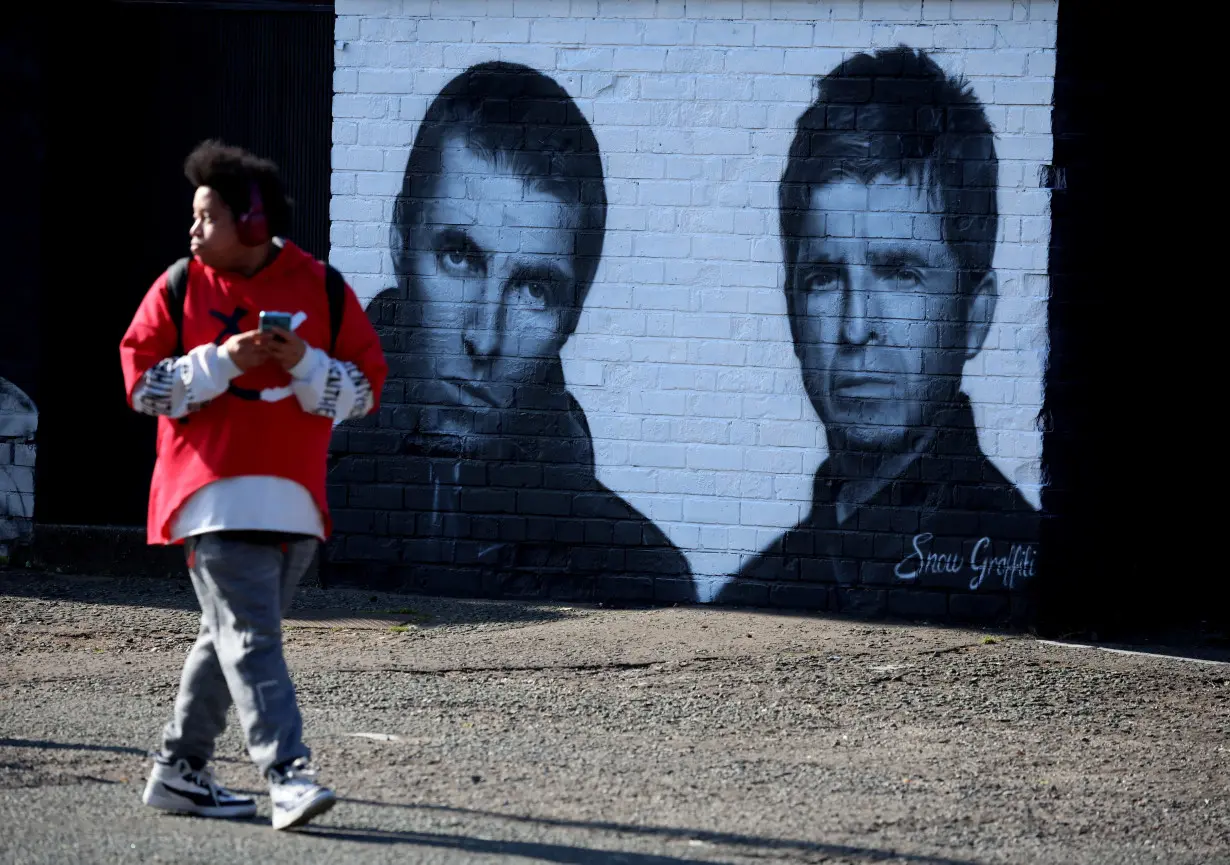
column 226, row 366
column 307, row 364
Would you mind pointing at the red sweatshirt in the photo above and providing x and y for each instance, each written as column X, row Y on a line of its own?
column 256, row 426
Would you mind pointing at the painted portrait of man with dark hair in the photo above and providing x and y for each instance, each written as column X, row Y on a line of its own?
column 888, row 220
column 480, row 470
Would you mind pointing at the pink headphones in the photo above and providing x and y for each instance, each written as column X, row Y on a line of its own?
column 252, row 227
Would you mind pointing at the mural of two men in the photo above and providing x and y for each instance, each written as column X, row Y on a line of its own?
column 888, row 223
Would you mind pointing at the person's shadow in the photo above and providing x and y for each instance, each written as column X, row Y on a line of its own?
column 735, row 844
column 532, row 850
column 753, row 846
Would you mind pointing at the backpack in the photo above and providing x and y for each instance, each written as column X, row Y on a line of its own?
column 177, row 288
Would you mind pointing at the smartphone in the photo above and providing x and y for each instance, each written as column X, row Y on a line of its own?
column 270, row 320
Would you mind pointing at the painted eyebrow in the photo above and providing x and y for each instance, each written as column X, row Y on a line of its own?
column 544, row 272
column 807, row 257
column 886, row 256
column 551, row 274
column 456, row 240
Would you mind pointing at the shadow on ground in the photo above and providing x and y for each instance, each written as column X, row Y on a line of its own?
column 170, row 593
column 751, row 844
column 424, row 611
column 44, row 745
column 567, row 854
column 175, row 593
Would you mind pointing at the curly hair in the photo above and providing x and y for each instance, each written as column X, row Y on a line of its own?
column 231, row 171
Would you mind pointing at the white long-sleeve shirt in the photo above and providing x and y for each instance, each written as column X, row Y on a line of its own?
column 323, row 385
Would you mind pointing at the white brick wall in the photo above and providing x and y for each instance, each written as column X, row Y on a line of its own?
column 682, row 360
column 17, row 458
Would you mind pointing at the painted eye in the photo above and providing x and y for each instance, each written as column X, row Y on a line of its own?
column 456, row 262
column 827, row 279
column 909, row 278
column 531, row 293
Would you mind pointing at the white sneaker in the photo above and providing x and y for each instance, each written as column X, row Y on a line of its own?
column 175, row 786
column 297, row 798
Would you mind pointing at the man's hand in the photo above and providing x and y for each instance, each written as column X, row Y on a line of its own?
column 247, row 350
column 287, row 349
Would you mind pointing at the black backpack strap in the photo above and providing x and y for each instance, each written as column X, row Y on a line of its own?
column 176, row 291
column 335, row 288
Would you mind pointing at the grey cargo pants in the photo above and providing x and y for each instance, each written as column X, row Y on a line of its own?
column 244, row 589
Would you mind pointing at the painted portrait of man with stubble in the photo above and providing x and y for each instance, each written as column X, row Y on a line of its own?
column 888, row 219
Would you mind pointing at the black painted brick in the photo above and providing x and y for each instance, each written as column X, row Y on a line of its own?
column 672, row 591
column 918, row 604
column 800, row 596
column 647, row 560
column 386, row 497
column 981, row 609
column 623, row 589
column 872, row 603
column 746, row 593
column 451, row 582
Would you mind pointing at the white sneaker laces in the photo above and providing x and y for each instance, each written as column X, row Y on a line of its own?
column 203, row 776
column 301, row 768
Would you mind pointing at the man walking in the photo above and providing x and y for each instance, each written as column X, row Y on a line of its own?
column 246, row 400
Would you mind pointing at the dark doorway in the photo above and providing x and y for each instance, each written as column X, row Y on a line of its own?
column 1124, row 547
column 130, row 88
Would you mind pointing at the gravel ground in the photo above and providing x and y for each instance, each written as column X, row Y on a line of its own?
column 477, row 731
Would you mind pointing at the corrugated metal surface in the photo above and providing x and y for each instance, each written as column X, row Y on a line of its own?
column 131, row 88
column 266, row 85
column 241, row 5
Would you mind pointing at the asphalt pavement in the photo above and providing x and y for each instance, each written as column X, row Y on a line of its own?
column 478, row 731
